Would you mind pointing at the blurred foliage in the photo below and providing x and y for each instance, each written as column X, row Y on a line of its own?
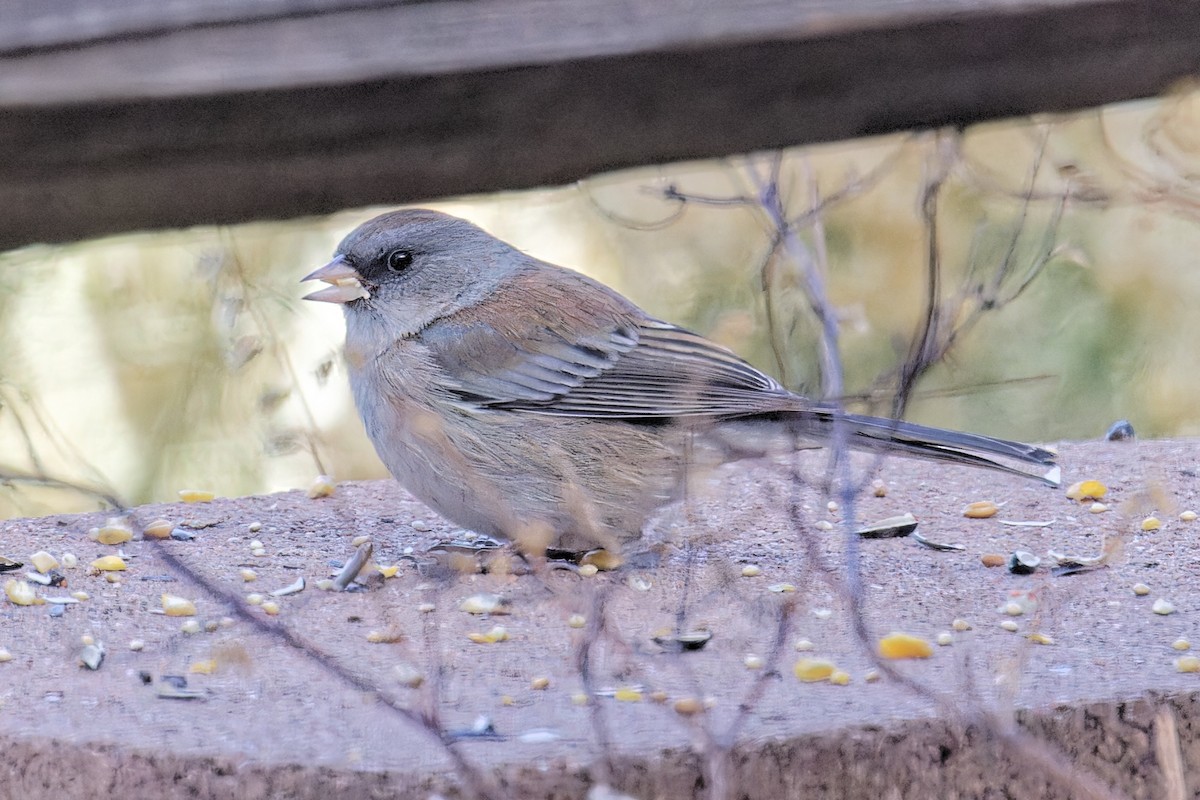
column 143, row 364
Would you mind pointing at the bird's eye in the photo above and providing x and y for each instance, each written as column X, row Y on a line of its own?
column 399, row 260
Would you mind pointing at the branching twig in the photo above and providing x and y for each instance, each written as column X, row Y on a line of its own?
column 428, row 724
column 282, row 354
column 596, row 623
column 55, row 483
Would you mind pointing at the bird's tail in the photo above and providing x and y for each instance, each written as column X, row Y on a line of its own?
column 922, row 441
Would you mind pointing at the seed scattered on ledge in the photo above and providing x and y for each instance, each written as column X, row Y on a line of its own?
column 20, row 592
column 322, row 486
column 981, row 509
column 1187, row 664
column 408, row 675
column 1151, row 524
column 485, row 603
column 892, row 527
column 176, row 606
column 601, row 559
column 1141, row 589
column 206, row 667
column 92, row 656
column 43, row 562
column 898, row 645
column 159, row 529
column 354, row 566
column 1163, row 607
column 294, row 587
column 675, row 643
column 115, row 531
column 639, row 583
column 1087, row 490
column 751, row 571
column 496, row 634
column 1023, row 562
column 813, row 670
column 196, row 495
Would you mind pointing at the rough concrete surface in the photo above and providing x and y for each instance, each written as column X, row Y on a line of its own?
column 304, row 705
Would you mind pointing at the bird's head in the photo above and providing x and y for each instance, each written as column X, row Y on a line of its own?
column 407, row 268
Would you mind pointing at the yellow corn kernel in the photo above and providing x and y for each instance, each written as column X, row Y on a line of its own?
column 20, row 592
column 109, row 564
column 176, row 606
column 812, row 670
column 904, row 645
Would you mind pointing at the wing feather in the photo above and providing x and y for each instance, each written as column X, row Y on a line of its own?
column 591, row 353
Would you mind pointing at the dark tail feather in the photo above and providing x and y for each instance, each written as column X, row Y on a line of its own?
column 935, row 444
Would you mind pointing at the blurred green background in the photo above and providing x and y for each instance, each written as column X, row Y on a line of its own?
column 148, row 363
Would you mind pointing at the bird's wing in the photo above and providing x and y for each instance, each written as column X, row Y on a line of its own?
column 585, row 351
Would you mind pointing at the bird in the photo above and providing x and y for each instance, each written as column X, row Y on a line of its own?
column 528, row 402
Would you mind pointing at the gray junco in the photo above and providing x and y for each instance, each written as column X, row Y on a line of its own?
column 526, row 401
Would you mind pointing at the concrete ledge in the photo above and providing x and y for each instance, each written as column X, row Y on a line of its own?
column 284, row 721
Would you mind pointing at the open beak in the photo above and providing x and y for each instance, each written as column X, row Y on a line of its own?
column 345, row 284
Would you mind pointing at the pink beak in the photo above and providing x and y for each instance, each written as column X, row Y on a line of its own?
column 345, row 284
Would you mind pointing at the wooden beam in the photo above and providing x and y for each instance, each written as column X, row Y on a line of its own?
column 131, row 114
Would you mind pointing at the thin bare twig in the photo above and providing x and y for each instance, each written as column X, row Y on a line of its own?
column 427, row 724
column 282, row 354
column 55, row 483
